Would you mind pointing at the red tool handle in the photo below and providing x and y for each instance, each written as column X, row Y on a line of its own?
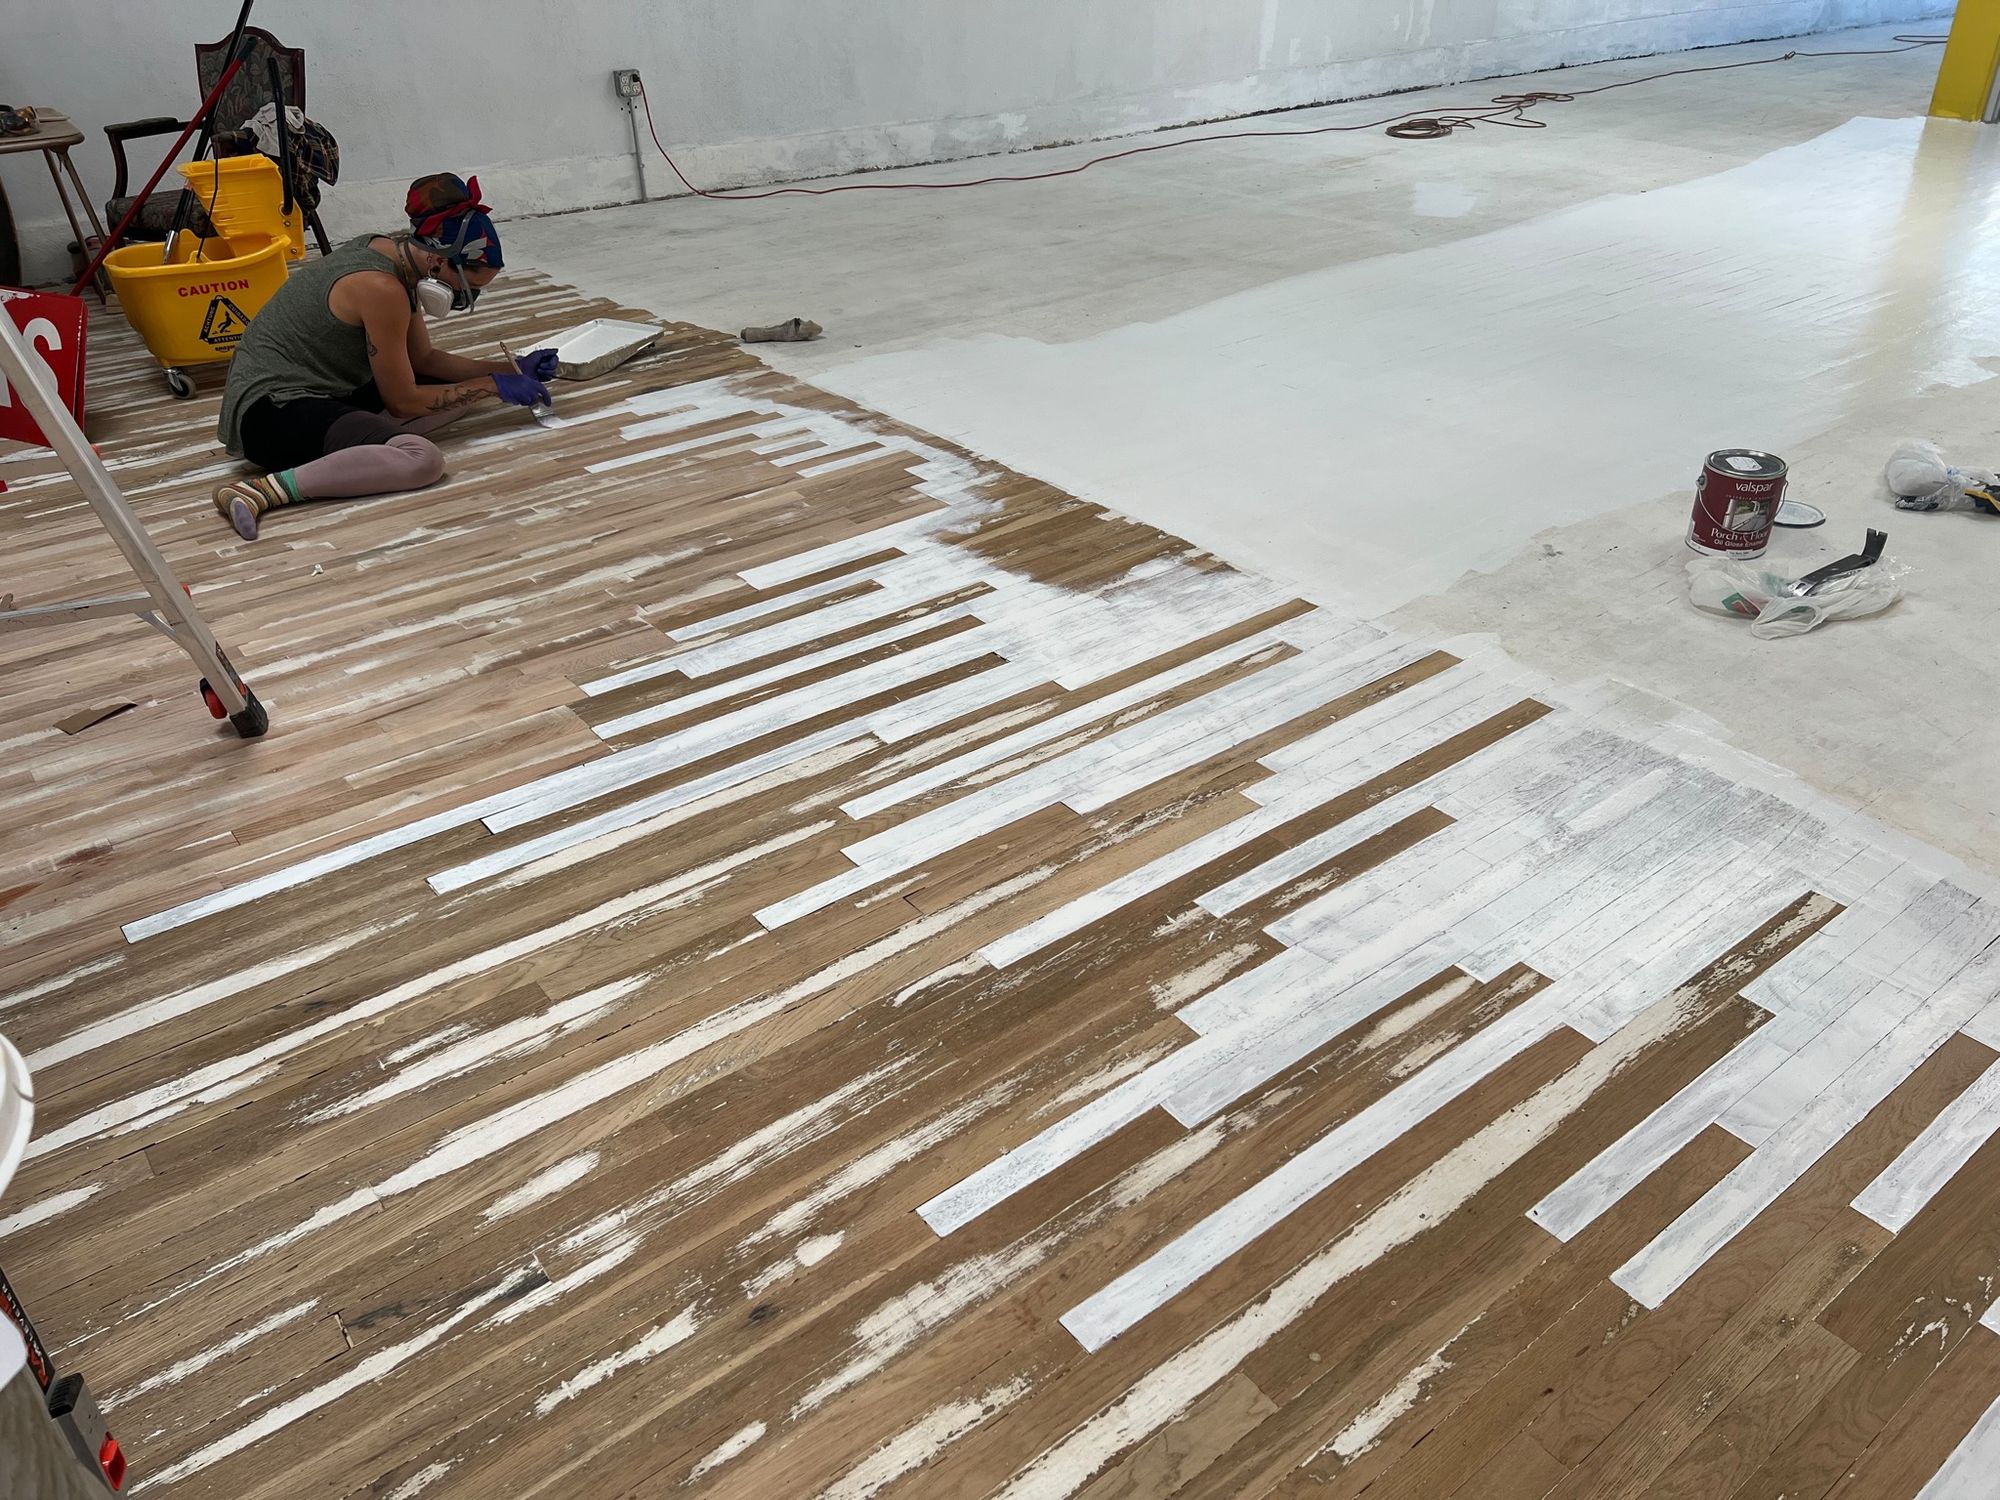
column 154, row 181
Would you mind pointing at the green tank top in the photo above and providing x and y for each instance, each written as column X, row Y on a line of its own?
column 295, row 346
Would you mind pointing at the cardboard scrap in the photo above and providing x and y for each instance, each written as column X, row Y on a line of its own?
column 76, row 723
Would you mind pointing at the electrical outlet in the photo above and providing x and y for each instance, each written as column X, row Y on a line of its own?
column 626, row 82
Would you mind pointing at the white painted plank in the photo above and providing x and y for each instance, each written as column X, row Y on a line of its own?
column 1006, row 1175
column 1792, row 985
column 833, row 466
column 723, row 624
column 347, row 856
column 628, row 815
column 1278, row 982
column 1472, row 902
column 797, row 666
column 911, row 531
column 1281, row 870
column 1114, row 895
column 1331, row 750
column 1561, row 799
column 1232, row 714
column 1819, row 1060
column 918, row 572
column 1178, row 1264
column 1121, row 638
column 1601, row 905
column 1388, row 749
column 870, row 610
column 669, row 450
column 1553, row 885
column 1323, row 1006
column 816, row 897
column 585, row 783
column 1917, row 951
column 1689, row 942
column 1052, row 728
column 940, row 705
column 1634, row 1156
column 1968, row 1473
column 811, row 700
column 1079, row 913
column 1488, row 787
column 1909, row 1182
column 1627, row 920
column 1677, row 1252
column 1984, row 1028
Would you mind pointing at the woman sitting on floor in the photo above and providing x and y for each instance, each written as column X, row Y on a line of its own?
column 336, row 381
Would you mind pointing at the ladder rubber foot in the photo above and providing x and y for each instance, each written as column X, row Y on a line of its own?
column 253, row 721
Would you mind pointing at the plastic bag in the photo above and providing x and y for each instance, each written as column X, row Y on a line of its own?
column 1920, row 479
column 1726, row 586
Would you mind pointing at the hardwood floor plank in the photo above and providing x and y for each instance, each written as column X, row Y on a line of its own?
column 1167, row 1461
column 1630, row 1459
column 1494, row 1374
column 1610, row 1387
column 1961, row 1396
column 1757, row 1419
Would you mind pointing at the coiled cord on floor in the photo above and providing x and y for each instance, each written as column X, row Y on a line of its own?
column 1511, row 110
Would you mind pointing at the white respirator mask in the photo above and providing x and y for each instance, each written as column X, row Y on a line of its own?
column 434, row 299
column 432, row 295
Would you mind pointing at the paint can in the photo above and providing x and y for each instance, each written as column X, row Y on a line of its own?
column 1735, row 502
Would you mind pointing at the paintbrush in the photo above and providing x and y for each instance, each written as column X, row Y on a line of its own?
column 542, row 412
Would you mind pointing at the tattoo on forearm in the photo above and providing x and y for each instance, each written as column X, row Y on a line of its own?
column 463, row 398
column 371, row 348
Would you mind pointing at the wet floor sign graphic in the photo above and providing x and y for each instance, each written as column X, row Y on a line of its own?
column 223, row 326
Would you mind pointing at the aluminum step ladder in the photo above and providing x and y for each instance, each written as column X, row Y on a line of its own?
column 164, row 604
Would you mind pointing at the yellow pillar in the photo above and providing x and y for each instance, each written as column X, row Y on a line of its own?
column 1971, row 59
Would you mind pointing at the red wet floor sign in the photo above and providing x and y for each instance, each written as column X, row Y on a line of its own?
column 53, row 326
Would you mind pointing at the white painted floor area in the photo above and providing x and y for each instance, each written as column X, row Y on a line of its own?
column 1466, row 384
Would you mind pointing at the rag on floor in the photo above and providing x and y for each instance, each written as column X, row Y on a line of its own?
column 1920, row 479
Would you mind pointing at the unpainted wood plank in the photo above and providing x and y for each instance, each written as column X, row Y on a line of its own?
column 1583, row 1383
column 1595, row 1399
column 1347, row 1367
column 1523, row 1470
column 1466, row 1413
column 1752, row 1423
column 1628, row 1462
column 1182, row 1450
column 1915, row 1443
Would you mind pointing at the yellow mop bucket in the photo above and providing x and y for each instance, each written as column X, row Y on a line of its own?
column 195, row 309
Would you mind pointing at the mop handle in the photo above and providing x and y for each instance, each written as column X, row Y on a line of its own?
column 111, row 240
column 183, row 203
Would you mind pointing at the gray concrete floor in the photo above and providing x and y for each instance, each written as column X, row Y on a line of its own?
column 1466, row 384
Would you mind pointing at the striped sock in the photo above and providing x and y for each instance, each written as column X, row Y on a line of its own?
column 242, row 502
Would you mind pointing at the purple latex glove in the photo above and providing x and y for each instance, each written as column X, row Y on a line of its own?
column 540, row 365
column 521, row 390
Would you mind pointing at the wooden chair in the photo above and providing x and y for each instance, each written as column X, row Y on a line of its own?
column 248, row 91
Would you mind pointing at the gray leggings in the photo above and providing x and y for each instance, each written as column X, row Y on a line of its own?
column 340, row 448
column 404, row 462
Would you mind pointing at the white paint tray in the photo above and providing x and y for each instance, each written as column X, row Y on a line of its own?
column 589, row 349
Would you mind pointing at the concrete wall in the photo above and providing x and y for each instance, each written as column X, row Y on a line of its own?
column 749, row 91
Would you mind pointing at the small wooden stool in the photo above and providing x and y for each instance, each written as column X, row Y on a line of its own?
column 53, row 135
